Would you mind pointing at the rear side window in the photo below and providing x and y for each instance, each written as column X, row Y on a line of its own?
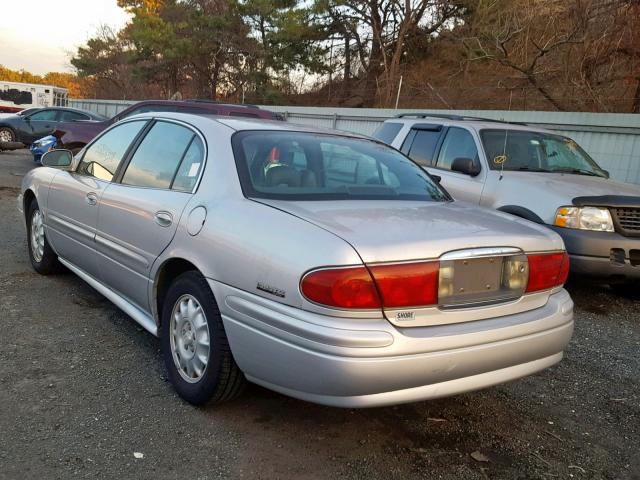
column 424, row 146
column 72, row 116
column 387, row 132
column 190, row 167
column 458, row 143
column 102, row 158
column 157, row 158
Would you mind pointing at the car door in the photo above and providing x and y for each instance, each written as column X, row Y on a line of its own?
column 40, row 124
column 459, row 143
column 140, row 213
column 74, row 196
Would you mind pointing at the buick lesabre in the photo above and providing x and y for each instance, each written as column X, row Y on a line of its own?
column 323, row 265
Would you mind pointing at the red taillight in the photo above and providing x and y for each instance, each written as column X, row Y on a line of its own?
column 407, row 284
column 350, row 287
column 547, row 271
column 399, row 285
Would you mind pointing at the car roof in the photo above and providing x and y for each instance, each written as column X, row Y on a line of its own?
column 75, row 110
column 242, row 124
column 205, row 104
column 459, row 121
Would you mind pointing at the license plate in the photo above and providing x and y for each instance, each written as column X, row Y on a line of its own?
column 480, row 280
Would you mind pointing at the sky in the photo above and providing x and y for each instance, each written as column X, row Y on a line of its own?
column 41, row 35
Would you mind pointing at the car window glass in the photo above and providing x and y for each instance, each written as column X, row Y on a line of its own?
column 526, row 150
column 190, row 167
column 387, row 132
column 72, row 116
column 101, row 159
column 424, row 146
column 44, row 115
column 458, row 143
column 305, row 166
column 156, row 160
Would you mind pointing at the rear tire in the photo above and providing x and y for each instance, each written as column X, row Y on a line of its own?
column 7, row 135
column 43, row 259
column 194, row 344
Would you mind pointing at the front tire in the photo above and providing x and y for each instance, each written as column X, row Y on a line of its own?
column 7, row 135
column 43, row 258
column 194, row 344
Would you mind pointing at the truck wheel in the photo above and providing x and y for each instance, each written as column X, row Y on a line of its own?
column 194, row 344
column 7, row 135
column 43, row 258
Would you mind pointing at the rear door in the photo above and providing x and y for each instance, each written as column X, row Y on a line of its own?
column 459, row 143
column 139, row 214
column 74, row 197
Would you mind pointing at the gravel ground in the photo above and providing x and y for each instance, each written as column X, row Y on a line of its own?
column 82, row 388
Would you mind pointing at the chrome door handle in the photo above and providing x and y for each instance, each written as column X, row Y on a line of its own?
column 92, row 198
column 163, row 219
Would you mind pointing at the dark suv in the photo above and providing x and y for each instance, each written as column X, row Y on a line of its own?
column 74, row 136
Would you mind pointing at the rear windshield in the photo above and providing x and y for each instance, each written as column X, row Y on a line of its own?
column 309, row 166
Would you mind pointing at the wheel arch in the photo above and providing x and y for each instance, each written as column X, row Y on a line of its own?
column 27, row 197
column 521, row 212
column 166, row 274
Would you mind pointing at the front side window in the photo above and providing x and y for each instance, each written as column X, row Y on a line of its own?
column 156, row 160
column 536, row 151
column 44, row 115
column 309, row 166
column 101, row 159
column 458, row 143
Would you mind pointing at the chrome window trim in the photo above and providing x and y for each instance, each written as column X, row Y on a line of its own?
column 147, row 119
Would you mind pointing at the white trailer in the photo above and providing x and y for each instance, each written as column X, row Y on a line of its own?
column 15, row 97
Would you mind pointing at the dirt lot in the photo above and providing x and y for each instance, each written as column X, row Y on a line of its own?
column 82, row 388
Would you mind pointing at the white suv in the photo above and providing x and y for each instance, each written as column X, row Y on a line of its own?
column 535, row 174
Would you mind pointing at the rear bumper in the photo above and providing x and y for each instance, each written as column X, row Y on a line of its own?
column 366, row 363
column 602, row 254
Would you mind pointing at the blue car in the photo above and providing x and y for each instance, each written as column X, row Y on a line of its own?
column 42, row 146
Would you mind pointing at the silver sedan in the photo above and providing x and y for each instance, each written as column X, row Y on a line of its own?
column 319, row 264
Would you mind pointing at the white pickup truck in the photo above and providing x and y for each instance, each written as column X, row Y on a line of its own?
column 534, row 174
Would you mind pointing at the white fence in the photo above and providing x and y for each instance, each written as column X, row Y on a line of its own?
column 612, row 139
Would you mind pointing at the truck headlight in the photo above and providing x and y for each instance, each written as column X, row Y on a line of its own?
column 584, row 218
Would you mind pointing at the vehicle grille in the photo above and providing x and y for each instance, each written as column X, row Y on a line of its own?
column 628, row 220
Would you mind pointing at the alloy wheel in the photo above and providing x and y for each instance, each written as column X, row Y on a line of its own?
column 37, row 236
column 190, row 339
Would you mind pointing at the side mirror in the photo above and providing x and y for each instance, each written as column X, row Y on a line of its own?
column 466, row 166
column 57, row 158
column 436, row 178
